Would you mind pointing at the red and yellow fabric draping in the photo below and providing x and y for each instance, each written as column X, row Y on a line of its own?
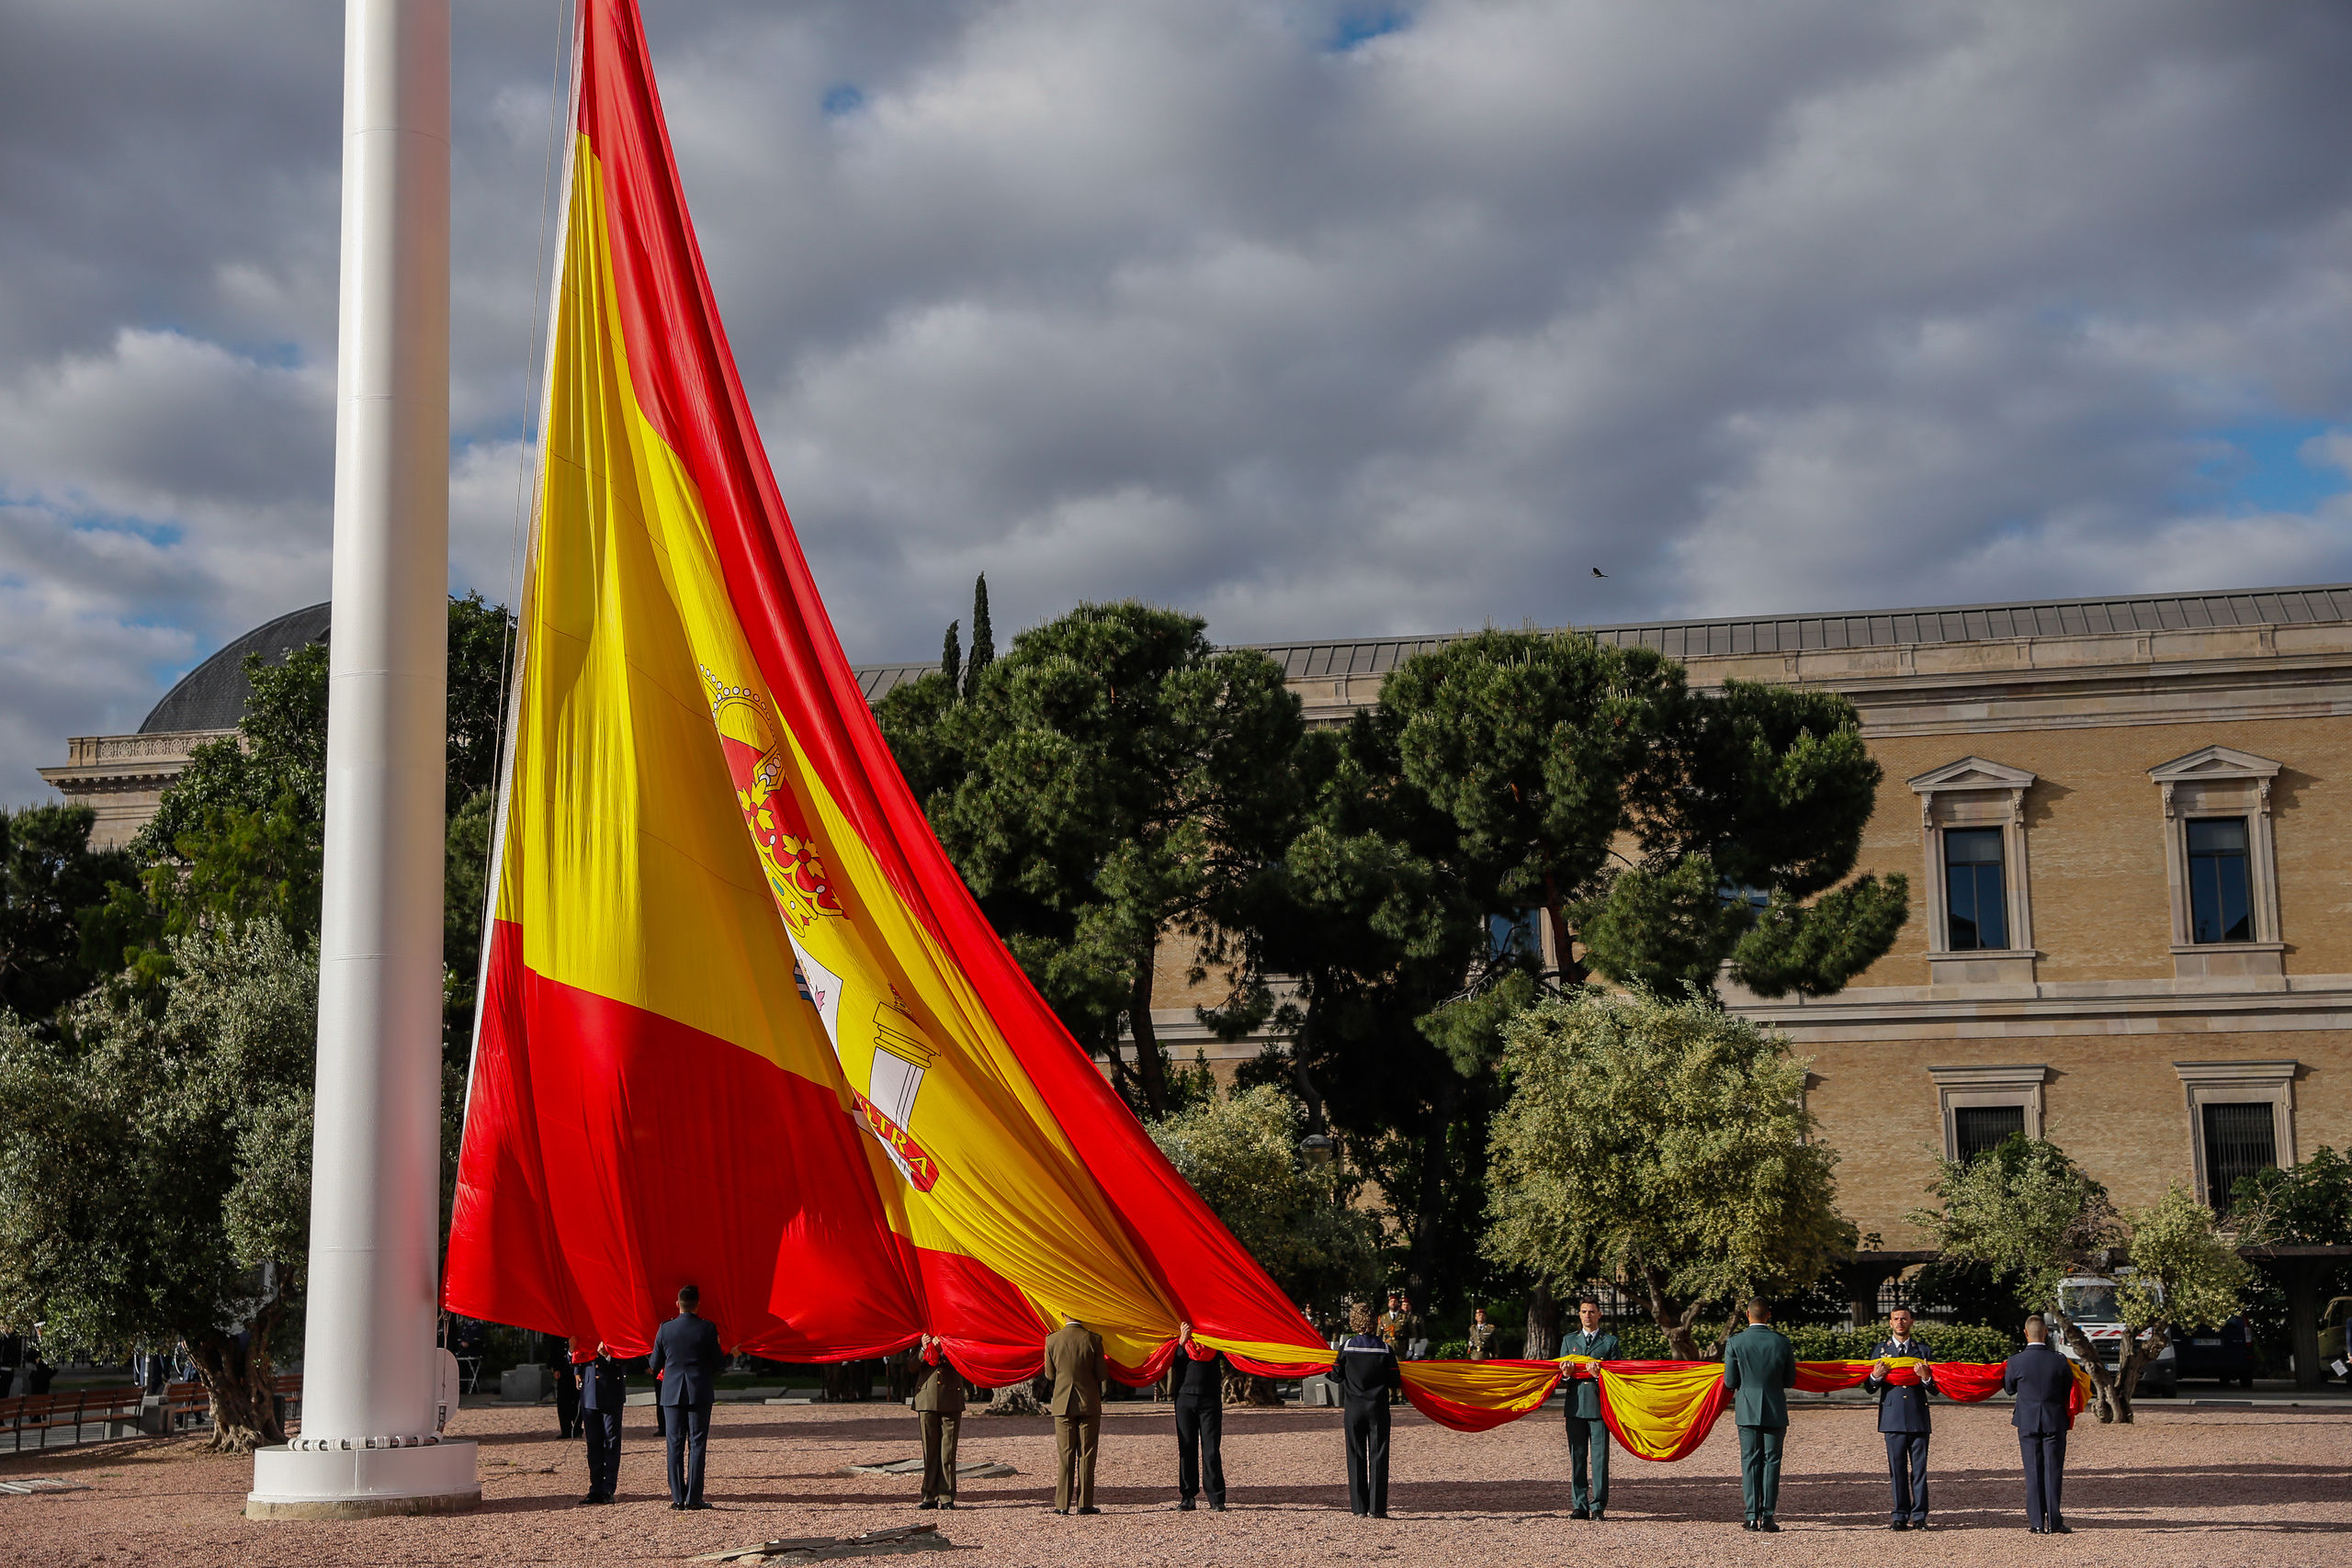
column 742, row 1024
column 1657, row 1410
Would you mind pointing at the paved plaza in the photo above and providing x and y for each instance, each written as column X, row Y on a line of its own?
column 2213, row 1487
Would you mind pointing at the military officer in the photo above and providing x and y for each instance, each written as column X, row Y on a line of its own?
column 2043, row 1382
column 1483, row 1335
column 567, row 1395
column 1198, row 1375
column 686, row 1358
column 1588, row 1433
column 603, row 1392
column 1074, row 1360
column 1759, row 1368
column 1902, row 1420
column 1365, row 1368
column 939, row 1407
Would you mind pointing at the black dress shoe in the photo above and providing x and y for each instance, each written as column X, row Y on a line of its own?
column 1380, row 1513
column 1579, row 1513
column 947, row 1503
column 590, row 1501
column 2060, row 1527
column 1595, row 1516
column 1899, row 1525
column 1183, row 1504
column 2035, row 1530
column 1216, row 1508
column 1090, row 1508
column 1747, row 1524
column 697, row 1505
column 1061, row 1510
column 927, row 1503
column 679, row 1507
column 1769, row 1524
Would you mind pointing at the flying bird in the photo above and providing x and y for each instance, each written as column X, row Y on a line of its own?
column 1598, row 573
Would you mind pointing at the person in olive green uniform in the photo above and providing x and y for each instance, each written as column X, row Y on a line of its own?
column 1074, row 1359
column 1588, row 1433
column 1482, row 1336
column 939, row 1406
column 1759, row 1368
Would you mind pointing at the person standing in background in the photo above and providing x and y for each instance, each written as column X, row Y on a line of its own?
column 939, row 1407
column 686, row 1358
column 1366, row 1370
column 1903, row 1418
column 2043, row 1382
column 603, row 1392
column 1074, row 1359
column 1481, row 1337
column 1759, row 1368
column 1588, row 1432
column 567, row 1395
column 1197, row 1373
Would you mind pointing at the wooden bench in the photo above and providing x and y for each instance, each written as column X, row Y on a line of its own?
column 47, row 1413
column 186, row 1403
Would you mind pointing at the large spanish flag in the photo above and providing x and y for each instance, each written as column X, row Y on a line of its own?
column 741, row 1023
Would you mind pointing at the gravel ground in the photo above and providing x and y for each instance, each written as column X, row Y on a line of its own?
column 2206, row 1487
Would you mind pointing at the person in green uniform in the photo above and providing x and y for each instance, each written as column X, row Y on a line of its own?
column 939, row 1407
column 1759, row 1368
column 1588, row 1433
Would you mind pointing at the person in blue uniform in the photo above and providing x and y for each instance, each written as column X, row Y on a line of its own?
column 1197, row 1379
column 1365, row 1368
column 1902, row 1420
column 603, row 1391
column 2043, row 1382
column 1759, row 1368
column 1588, row 1433
column 686, row 1358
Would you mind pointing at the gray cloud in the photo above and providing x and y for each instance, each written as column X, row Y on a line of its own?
column 1758, row 308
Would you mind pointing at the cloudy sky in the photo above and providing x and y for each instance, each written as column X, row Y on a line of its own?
column 1318, row 318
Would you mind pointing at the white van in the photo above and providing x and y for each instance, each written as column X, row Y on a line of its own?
column 2089, row 1300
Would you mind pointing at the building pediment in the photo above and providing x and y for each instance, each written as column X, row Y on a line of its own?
column 2215, row 762
column 1972, row 772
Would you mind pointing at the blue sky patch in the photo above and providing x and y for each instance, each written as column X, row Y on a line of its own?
column 1362, row 24
column 842, row 97
column 2264, row 468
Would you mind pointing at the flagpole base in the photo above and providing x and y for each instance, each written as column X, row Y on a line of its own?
column 363, row 1483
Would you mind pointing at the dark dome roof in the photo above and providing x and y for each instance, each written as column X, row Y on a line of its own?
column 212, row 695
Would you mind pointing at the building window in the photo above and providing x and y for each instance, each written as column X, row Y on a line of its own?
column 2221, row 866
column 2220, row 892
column 1981, row 1129
column 1974, row 903
column 1980, row 920
column 2241, row 1118
column 2241, row 1137
column 1516, row 936
column 1981, row 1106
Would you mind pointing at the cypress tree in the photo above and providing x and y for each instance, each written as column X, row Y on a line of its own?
column 983, row 638
column 951, row 658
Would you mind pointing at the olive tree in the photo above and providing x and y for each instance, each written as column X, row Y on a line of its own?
column 154, row 1164
column 1665, row 1144
column 2030, row 1212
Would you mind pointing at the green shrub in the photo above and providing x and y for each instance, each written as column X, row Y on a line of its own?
column 1951, row 1341
column 1449, row 1350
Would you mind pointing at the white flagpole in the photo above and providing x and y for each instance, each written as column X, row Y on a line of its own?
column 367, row 1445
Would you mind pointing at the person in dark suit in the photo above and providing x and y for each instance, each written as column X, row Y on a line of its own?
column 1074, row 1360
column 1759, row 1368
column 1365, row 1368
column 1197, row 1374
column 1902, row 1420
column 2043, row 1382
column 686, row 1358
column 1588, row 1433
column 939, row 1407
column 567, row 1395
column 603, row 1391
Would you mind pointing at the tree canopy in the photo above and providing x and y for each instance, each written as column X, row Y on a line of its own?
column 1241, row 1155
column 1111, row 777
column 1666, row 1142
column 48, row 876
column 154, row 1165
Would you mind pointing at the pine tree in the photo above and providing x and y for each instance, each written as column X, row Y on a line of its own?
column 951, row 658
column 983, row 637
